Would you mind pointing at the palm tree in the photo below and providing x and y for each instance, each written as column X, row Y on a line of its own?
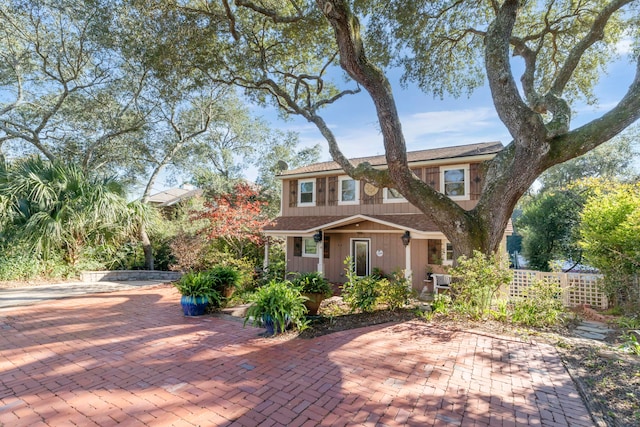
column 58, row 207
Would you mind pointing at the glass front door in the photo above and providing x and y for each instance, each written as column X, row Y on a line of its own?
column 360, row 255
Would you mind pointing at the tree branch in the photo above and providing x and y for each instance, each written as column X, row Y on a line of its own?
column 596, row 33
column 514, row 113
column 589, row 136
column 274, row 15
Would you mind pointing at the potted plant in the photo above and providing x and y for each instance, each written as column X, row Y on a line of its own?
column 315, row 287
column 197, row 293
column 277, row 305
column 225, row 279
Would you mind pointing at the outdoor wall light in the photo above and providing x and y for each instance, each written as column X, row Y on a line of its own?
column 317, row 237
column 406, row 238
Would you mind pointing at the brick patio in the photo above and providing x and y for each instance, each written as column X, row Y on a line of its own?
column 132, row 358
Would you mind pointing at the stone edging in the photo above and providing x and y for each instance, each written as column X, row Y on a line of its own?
column 127, row 275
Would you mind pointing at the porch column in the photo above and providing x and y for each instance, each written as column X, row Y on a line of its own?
column 407, row 262
column 265, row 262
column 320, row 252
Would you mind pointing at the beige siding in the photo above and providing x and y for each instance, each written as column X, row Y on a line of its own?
column 418, row 263
column 392, row 258
column 299, row 263
column 369, row 205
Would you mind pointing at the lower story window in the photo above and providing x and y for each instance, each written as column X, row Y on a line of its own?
column 309, row 247
column 448, row 253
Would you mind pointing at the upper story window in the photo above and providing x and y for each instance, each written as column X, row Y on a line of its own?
column 349, row 191
column 309, row 248
column 455, row 181
column 306, row 192
column 391, row 195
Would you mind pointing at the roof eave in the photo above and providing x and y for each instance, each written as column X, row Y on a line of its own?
column 440, row 161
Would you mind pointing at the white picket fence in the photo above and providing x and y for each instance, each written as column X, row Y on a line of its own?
column 577, row 288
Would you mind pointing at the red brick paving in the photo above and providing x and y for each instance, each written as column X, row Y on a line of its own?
column 132, row 358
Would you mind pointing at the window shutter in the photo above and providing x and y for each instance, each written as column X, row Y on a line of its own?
column 297, row 246
column 321, row 193
column 475, row 175
column 432, row 178
column 293, row 193
column 434, row 255
column 327, row 246
column 332, row 194
column 377, row 198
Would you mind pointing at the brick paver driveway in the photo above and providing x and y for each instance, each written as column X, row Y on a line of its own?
column 131, row 357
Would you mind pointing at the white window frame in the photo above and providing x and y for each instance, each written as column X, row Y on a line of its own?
column 387, row 199
column 313, row 192
column 341, row 179
column 467, row 186
column 446, row 261
column 304, row 248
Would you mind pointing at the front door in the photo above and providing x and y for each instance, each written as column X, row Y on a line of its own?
column 361, row 257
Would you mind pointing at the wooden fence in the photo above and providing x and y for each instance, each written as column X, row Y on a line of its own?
column 577, row 288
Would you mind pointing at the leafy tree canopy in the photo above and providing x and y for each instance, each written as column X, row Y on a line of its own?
column 283, row 51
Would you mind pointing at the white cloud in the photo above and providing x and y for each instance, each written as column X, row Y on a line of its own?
column 624, row 46
column 422, row 131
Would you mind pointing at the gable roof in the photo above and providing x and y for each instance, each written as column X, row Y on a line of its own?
column 310, row 224
column 173, row 195
column 412, row 157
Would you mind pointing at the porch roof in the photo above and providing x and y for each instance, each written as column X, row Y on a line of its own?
column 287, row 225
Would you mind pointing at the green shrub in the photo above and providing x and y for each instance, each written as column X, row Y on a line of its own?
column 395, row 293
column 312, row 283
column 19, row 267
column 365, row 293
column 540, row 306
column 224, row 276
column 441, row 304
column 477, row 279
column 280, row 301
column 362, row 293
column 199, row 284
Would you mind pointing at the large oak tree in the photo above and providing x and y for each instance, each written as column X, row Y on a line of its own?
column 284, row 49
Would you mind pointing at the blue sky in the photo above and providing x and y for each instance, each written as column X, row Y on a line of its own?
column 429, row 122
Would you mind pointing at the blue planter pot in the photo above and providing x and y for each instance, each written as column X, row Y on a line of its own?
column 271, row 326
column 193, row 306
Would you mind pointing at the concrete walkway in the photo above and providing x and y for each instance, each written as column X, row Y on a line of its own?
column 132, row 358
column 27, row 295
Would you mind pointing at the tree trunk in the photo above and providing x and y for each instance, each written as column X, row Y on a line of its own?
column 146, row 248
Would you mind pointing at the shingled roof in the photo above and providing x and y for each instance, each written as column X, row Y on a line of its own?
column 412, row 157
column 308, row 224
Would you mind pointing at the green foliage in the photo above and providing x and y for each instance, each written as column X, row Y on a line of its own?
column 365, row 293
column 280, row 301
column 631, row 344
column 395, row 292
column 224, row 276
column 501, row 310
column 441, row 304
column 198, row 284
column 277, row 263
column 549, row 228
column 629, row 322
column 312, row 283
column 612, row 160
column 57, row 208
column 610, row 225
column 361, row 293
column 540, row 306
column 476, row 281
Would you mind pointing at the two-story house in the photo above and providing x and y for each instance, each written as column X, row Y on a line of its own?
column 327, row 216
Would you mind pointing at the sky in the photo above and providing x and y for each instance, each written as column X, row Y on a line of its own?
column 429, row 122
